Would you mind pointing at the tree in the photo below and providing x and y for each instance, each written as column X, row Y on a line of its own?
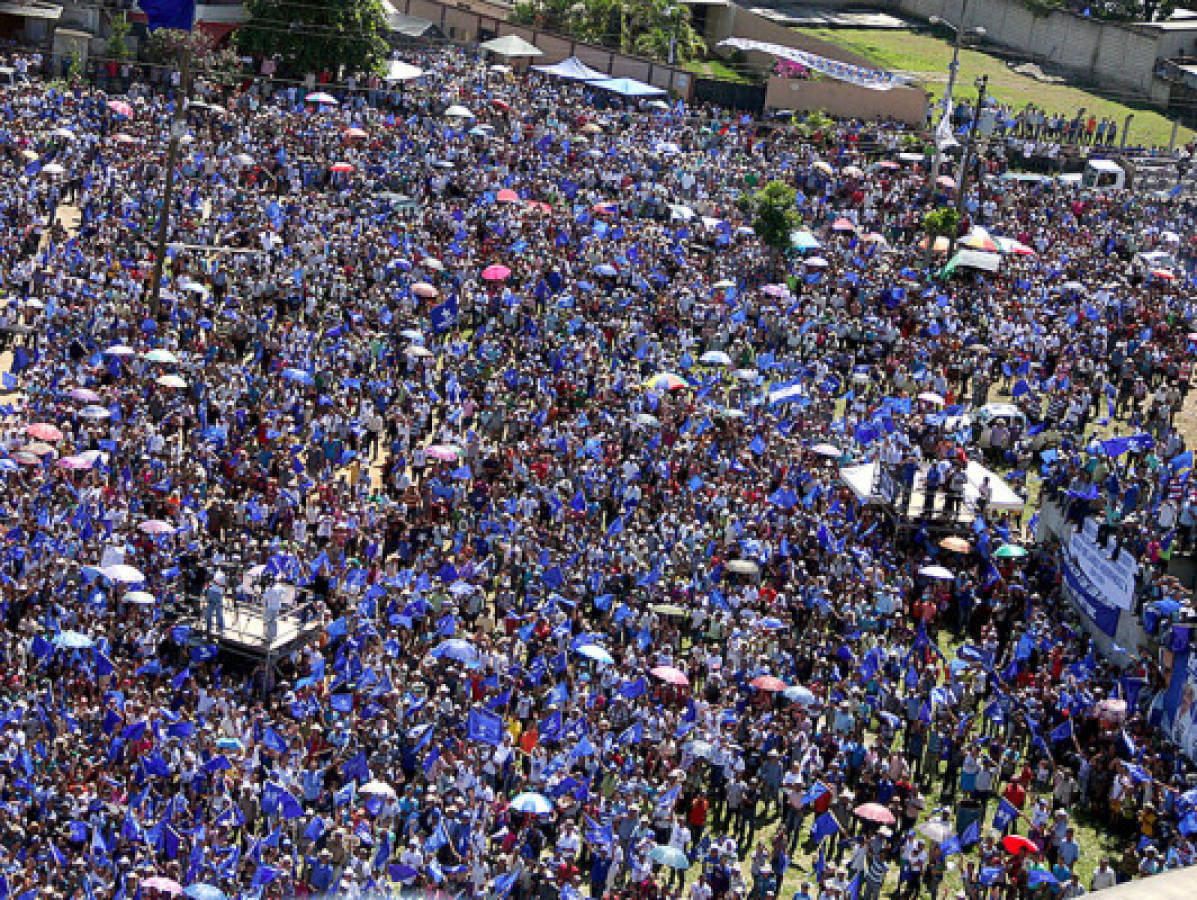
column 118, row 30
column 943, row 221
column 332, row 36
column 219, row 64
column 646, row 27
column 774, row 211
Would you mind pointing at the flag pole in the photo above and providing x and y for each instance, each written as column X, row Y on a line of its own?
column 177, row 129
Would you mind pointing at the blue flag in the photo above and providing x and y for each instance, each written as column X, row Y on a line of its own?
column 178, row 14
column 484, row 726
column 824, row 827
column 1004, row 814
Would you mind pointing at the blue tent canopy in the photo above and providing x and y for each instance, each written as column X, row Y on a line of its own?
column 573, row 69
column 628, row 87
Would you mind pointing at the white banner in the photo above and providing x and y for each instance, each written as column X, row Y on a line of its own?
column 1114, row 579
column 873, row 79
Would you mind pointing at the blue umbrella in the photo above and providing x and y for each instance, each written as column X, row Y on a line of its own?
column 597, row 653
column 298, row 375
column 73, row 640
column 669, row 856
column 800, row 695
column 770, row 623
column 456, row 648
column 204, row 892
column 606, row 269
column 531, row 802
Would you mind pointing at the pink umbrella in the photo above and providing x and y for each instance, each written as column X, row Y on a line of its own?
column 74, row 463
column 120, row 107
column 768, row 683
column 163, row 884
column 670, row 675
column 444, row 452
column 44, row 431
column 779, row 291
column 156, row 526
column 354, row 133
column 496, row 273
column 84, row 395
column 26, row 459
column 424, row 289
column 842, row 224
column 875, row 812
column 507, row 195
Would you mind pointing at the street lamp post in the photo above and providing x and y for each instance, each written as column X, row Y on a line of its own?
column 966, row 161
column 960, row 31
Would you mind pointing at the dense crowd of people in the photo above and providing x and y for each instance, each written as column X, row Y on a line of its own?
column 484, row 405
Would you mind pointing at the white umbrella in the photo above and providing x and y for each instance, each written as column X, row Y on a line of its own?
column 715, row 358
column 378, row 788
column 457, row 111
column 828, row 450
column 123, row 574
column 140, row 598
column 53, row 169
column 937, row 572
column 120, row 350
column 243, row 159
column 931, row 397
column 161, row 356
column 397, row 70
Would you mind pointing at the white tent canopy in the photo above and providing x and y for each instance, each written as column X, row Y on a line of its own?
column 512, row 46
column 572, row 69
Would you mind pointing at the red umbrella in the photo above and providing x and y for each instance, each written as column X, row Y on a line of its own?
column 539, row 206
column 507, row 195
column 341, row 167
column 495, row 273
column 1015, row 844
column 875, row 812
column 768, row 683
column 670, row 675
column 500, row 104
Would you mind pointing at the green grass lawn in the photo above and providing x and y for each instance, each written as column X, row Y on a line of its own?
column 910, row 52
column 714, row 68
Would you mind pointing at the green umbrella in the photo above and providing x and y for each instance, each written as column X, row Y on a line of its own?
column 1010, row 551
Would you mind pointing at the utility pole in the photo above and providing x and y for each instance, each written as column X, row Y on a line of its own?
column 677, row 27
column 960, row 29
column 178, row 129
column 966, row 161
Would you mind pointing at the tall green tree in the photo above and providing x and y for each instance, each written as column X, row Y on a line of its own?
column 330, row 36
column 774, row 210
